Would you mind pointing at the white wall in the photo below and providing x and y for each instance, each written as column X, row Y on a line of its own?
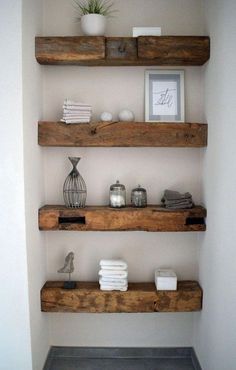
column 34, row 184
column 15, row 345
column 215, row 326
column 24, row 330
column 156, row 169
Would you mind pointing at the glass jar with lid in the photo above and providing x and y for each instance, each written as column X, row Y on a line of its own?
column 139, row 197
column 117, row 195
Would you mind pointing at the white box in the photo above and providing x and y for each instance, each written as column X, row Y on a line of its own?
column 165, row 279
column 146, row 31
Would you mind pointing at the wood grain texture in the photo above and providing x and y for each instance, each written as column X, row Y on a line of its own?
column 140, row 297
column 122, row 134
column 102, row 218
column 69, row 50
column 174, row 50
column 123, row 51
column 121, row 48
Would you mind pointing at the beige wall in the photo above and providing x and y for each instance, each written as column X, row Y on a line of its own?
column 112, row 89
column 176, row 17
column 214, row 331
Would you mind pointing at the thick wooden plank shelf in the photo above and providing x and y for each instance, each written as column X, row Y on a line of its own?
column 103, row 218
column 140, row 297
column 123, row 51
column 174, row 50
column 122, row 134
column 69, row 50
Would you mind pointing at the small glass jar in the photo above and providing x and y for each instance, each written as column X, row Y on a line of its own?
column 117, row 195
column 139, row 197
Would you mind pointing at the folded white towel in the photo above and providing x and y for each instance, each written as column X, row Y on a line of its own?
column 114, row 283
column 105, row 279
column 75, row 117
column 116, row 264
column 73, row 108
column 71, row 102
column 81, row 114
column 113, row 273
column 113, row 268
column 108, row 288
column 80, row 120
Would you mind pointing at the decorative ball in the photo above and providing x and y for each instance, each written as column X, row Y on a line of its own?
column 126, row 115
column 106, row 117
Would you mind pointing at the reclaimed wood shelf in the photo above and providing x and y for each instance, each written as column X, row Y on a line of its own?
column 123, row 51
column 104, row 218
column 140, row 297
column 122, row 134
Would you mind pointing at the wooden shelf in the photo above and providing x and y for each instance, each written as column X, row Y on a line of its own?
column 102, row 218
column 123, row 134
column 140, row 297
column 123, row 51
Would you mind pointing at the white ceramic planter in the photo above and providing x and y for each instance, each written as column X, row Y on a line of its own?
column 93, row 24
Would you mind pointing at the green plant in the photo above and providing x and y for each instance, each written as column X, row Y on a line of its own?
column 102, row 7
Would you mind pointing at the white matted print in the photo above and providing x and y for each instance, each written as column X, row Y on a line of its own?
column 164, row 96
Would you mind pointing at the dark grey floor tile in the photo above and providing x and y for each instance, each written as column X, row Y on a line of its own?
column 196, row 363
column 68, row 363
column 125, row 352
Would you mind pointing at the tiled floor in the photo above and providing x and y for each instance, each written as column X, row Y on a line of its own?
column 80, row 358
column 68, row 363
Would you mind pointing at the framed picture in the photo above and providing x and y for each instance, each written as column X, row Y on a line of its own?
column 164, row 96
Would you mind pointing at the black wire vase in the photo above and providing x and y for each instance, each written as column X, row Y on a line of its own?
column 74, row 189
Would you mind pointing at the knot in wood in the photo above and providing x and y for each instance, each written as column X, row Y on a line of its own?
column 122, row 48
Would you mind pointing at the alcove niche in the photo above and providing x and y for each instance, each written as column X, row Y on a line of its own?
column 114, row 88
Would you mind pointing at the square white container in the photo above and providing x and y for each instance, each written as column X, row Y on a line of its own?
column 146, row 31
column 165, row 279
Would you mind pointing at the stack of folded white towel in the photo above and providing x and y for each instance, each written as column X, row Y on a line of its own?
column 74, row 112
column 113, row 275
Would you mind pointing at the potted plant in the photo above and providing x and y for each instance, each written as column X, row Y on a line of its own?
column 92, row 14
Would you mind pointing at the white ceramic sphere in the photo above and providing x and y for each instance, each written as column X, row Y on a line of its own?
column 126, row 115
column 93, row 24
column 106, row 117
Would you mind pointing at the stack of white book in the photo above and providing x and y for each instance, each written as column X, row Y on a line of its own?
column 75, row 112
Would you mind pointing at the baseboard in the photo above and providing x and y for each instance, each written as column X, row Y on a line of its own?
column 124, row 352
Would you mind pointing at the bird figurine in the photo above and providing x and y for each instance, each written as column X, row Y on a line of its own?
column 68, row 268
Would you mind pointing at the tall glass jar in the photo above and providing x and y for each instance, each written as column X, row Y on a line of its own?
column 139, row 197
column 117, row 195
column 74, row 189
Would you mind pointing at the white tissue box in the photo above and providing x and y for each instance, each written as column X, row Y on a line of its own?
column 165, row 279
column 146, row 31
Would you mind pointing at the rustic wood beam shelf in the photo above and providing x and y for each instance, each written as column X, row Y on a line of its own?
column 122, row 134
column 123, row 51
column 102, row 218
column 140, row 297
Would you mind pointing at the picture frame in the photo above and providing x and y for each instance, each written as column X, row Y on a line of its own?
column 164, row 96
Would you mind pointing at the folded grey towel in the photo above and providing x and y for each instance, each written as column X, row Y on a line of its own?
column 175, row 195
column 178, row 202
column 175, row 200
column 186, row 206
